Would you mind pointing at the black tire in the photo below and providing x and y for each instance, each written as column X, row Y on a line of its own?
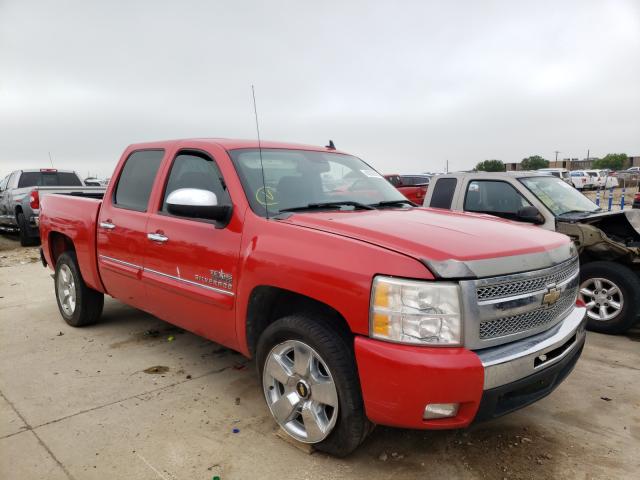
column 26, row 240
column 629, row 285
column 352, row 425
column 88, row 302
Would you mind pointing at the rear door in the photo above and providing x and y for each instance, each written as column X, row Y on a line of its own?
column 190, row 269
column 122, row 222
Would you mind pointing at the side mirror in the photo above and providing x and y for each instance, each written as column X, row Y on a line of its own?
column 197, row 203
column 530, row 214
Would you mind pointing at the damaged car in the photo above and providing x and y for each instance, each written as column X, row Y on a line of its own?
column 608, row 242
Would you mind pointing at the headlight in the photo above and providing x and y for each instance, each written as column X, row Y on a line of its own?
column 416, row 312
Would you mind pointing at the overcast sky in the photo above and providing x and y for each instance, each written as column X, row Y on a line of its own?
column 405, row 85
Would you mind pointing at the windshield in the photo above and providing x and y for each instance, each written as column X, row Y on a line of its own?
column 298, row 178
column 558, row 196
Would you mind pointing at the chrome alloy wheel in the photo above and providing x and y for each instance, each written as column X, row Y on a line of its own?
column 603, row 298
column 300, row 391
column 66, row 290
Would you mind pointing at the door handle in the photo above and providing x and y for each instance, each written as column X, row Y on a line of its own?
column 157, row 237
column 107, row 225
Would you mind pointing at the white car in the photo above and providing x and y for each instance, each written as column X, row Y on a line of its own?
column 601, row 179
column 582, row 180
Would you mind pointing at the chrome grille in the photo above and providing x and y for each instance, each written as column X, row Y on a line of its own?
column 527, row 321
column 527, row 286
column 503, row 309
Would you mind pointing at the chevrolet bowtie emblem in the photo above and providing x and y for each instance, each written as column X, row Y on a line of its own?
column 551, row 297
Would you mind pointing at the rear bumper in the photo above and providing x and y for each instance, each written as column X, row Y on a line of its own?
column 398, row 381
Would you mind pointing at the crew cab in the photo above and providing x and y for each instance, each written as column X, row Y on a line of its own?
column 413, row 187
column 608, row 242
column 359, row 307
column 20, row 194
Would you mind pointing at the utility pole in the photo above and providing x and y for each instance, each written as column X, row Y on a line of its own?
column 447, row 166
column 556, row 152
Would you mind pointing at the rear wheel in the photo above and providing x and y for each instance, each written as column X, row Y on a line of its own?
column 610, row 291
column 79, row 305
column 311, row 385
column 26, row 240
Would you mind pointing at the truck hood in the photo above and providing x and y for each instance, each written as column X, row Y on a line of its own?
column 607, row 235
column 630, row 218
column 434, row 235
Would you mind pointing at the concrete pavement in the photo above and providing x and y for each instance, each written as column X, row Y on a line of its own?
column 77, row 404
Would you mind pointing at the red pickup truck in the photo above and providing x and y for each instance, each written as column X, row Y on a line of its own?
column 359, row 307
column 413, row 187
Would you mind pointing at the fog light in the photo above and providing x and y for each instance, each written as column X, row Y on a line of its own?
column 440, row 410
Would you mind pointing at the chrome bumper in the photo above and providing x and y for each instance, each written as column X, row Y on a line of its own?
column 513, row 361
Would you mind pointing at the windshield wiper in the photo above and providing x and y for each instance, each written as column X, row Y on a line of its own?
column 391, row 203
column 569, row 212
column 322, row 205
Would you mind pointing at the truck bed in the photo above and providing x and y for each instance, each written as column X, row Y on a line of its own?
column 74, row 217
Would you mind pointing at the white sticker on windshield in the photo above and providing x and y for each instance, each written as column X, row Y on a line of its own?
column 371, row 173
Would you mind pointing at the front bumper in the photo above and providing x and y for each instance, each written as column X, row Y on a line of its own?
column 398, row 381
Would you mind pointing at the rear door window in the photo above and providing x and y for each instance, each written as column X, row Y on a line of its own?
column 443, row 193
column 49, row 179
column 136, row 180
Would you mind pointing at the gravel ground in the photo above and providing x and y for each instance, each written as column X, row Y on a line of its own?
column 134, row 397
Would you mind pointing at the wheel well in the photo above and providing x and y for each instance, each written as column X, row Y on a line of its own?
column 268, row 304
column 18, row 210
column 58, row 244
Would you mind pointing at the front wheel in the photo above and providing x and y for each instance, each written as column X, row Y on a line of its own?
column 79, row 305
column 311, row 385
column 610, row 292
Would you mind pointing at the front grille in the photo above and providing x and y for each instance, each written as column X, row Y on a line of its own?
column 504, row 309
column 529, row 320
column 529, row 285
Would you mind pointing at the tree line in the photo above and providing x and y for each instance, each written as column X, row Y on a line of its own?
column 611, row 161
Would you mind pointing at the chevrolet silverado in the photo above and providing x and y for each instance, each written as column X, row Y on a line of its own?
column 359, row 307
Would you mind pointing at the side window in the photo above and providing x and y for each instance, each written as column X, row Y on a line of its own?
column 495, row 197
column 192, row 170
column 443, row 193
column 136, row 180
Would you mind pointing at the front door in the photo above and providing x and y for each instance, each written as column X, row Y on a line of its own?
column 122, row 234
column 190, row 269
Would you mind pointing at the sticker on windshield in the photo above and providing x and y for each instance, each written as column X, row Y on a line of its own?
column 371, row 173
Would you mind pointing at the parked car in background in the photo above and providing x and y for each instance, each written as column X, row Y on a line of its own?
column 413, row 187
column 561, row 173
column 359, row 308
column 95, row 182
column 581, row 180
column 608, row 242
column 636, row 200
column 22, row 190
